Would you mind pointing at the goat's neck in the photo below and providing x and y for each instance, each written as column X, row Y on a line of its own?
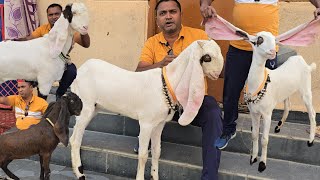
column 69, row 43
column 256, row 73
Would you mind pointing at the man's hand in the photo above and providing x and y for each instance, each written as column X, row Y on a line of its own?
column 316, row 13
column 207, row 11
column 166, row 60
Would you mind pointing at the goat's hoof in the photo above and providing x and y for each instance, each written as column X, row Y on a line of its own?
column 310, row 143
column 279, row 123
column 251, row 162
column 80, row 168
column 262, row 166
column 82, row 178
column 277, row 129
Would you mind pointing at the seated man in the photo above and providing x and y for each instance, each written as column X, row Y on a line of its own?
column 28, row 108
column 53, row 13
column 159, row 51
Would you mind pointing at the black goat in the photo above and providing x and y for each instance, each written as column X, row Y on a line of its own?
column 41, row 138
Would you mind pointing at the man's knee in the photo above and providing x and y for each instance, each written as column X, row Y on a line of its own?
column 71, row 71
column 210, row 102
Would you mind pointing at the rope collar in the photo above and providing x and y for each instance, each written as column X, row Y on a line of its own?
column 50, row 122
column 175, row 105
column 65, row 58
column 260, row 92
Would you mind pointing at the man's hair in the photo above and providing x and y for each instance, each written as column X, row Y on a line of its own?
column 54, row 5
column 32, row 83
column 161, row 1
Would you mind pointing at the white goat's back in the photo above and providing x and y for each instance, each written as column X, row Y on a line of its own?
column 97, row 79
column 292, row 74
column 26, row 59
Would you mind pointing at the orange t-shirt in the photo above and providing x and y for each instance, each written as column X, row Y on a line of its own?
column 253, row 18
column 27, row 116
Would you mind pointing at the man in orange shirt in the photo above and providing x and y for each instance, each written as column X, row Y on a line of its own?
column 53, row 14
column 159, row 51
column 28, row 107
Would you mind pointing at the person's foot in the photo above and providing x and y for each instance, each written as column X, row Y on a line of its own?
column 224, row 139
column 317, row 134
column 136, row 148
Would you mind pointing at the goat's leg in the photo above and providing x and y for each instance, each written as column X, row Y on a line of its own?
column 285, row 115
column 156, row 150
column 265, row 141
column 45, row 164
column 307, row 98
column 4, row 167
column 41, row 167
column 144, row 139
column 82, row 122
column 255, row 117
column 44, row 85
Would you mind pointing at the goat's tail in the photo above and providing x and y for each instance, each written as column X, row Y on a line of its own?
column 313, row 66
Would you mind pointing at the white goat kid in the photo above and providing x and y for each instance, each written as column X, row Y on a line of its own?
column 139, row 95
column 266, row 88
column 42, row 59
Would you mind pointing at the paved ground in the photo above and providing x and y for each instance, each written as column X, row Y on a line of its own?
column 30, row 170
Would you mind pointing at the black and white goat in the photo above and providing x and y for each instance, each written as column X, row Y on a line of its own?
column 41, row 138
column 42, row 59
column 266, row 88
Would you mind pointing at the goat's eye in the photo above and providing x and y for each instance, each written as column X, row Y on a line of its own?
column 259, row 41
column 205, row 58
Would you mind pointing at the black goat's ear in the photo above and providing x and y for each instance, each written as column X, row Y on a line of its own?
column 61, row 128
column 67, row 13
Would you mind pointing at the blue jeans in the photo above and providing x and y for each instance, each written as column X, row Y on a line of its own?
column 209, row 118
column 237, row 67
column 67, row 78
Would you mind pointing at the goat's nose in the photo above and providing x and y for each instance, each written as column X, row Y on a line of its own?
column 273, row 51
column 85, row 27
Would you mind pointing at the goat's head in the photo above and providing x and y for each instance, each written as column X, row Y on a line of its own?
column 74, row 103
column 75, row 16
column 211, row 59
column 205, row 59
column 78, row 17
column 69, row 104
column 264, row 44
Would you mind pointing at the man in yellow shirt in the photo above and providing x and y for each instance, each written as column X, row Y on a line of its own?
column 28, row 107
column 53, row 14
column 159, row 51
column 251, row 16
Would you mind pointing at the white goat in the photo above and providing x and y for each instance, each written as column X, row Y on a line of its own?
column 42, row 59
column 263, row 93
column 139, row 95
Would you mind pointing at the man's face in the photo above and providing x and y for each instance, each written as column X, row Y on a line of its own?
column 169, row 17
column 53, row 15
column 25, row 89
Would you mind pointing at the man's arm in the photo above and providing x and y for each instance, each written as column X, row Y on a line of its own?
column 82, row 40
column 143, row 65
column 5, row 101
column 206, row 9
column 316, row 3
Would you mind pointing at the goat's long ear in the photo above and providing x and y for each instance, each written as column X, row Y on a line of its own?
column 58, row 36
column 218, row 28
column 302, row 35
column 61, row 128
column 191, row 88
column 49, row 109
